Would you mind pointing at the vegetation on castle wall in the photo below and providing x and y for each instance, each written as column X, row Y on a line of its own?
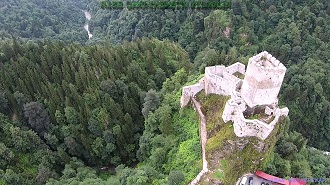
column 212, row 108
column 194, row 79
column 234, row 162
column 187, row 157
column 249, row 159
column 215, row 142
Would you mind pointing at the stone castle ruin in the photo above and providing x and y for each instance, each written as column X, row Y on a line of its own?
column 253, row 104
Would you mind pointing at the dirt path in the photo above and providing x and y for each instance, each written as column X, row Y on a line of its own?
column 197, row 107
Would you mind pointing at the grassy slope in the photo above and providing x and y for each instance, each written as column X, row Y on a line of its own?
column 187, row 157
column 211, row 106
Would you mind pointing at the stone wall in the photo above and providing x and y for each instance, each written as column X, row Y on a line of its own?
column 250, row 127
column 237, row 67
column 243, row 127
column 246, row 127
column 215, row 70
column 220, row 79
column 191, row 91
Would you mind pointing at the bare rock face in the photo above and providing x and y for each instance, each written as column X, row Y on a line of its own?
column 239, row 144
column 215, row 182
column 259, row 146
column 217, row 155
column 230, row 147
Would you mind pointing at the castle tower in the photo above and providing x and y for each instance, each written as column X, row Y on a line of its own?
column 263, row 79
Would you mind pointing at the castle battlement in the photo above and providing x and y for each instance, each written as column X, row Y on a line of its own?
column 266, row 60
column 256, row 94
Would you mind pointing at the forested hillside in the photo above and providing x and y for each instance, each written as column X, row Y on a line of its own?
column 90, row 103
column 38, row 19
column 87, row 93
column 295, row 32
column 105, row 110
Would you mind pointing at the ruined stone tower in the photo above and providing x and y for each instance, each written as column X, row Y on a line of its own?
column 261, row 84
column 263, row 79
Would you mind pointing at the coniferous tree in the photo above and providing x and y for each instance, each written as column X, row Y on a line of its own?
column 151, row 102
column 38, row 117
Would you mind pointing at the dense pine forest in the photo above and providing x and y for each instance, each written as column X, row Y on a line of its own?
column 106, row 110
column 38, row 19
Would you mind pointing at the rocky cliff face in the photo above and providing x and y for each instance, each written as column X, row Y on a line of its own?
column 229, row 156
